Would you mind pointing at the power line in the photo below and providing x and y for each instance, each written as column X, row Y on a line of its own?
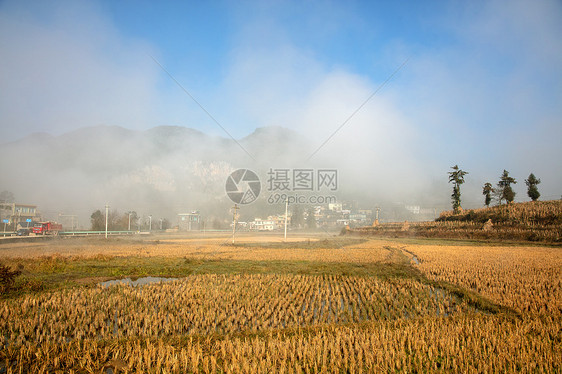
column 359, row 108
column 200, row 106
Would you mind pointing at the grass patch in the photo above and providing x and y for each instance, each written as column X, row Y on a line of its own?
column 331, row 243
column 463, row 242
column 473, row 299
column 50, row 273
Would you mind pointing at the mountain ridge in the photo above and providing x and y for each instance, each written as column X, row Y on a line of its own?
column 162, row 170
column 157, row 130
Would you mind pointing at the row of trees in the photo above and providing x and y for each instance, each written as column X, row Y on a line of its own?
column 298, row 219
column 502, row 192
column 7, row 197
column 120, row 221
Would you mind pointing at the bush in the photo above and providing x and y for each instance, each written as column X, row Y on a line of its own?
column 7, row 278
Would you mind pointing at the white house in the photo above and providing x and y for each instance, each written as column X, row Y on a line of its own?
column 263, row 225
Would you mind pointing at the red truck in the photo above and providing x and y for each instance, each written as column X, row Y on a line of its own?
column 47, row 228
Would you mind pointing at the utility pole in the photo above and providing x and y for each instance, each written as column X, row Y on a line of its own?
column 286, row 218
column 161, row 219
column 150, row 223
column 106, row 218
column 130, row 221
column 19, row 219
column 235, row 209
column 377, row 217
column 14, row 216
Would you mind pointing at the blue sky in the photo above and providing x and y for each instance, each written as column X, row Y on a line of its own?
column 482, row 87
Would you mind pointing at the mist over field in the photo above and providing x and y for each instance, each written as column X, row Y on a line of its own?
column 89, row 118
column 167, row 170
column 280, row 186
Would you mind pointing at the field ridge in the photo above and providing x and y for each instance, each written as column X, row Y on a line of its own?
column 539, row 221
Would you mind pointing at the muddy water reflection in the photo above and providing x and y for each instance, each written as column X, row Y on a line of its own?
column 137, row 282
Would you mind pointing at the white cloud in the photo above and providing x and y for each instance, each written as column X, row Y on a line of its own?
column 487, row 99
column 65, row 67
column 288, row 87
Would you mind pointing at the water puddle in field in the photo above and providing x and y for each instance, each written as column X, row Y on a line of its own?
column 415, row 260
column 137, row 282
